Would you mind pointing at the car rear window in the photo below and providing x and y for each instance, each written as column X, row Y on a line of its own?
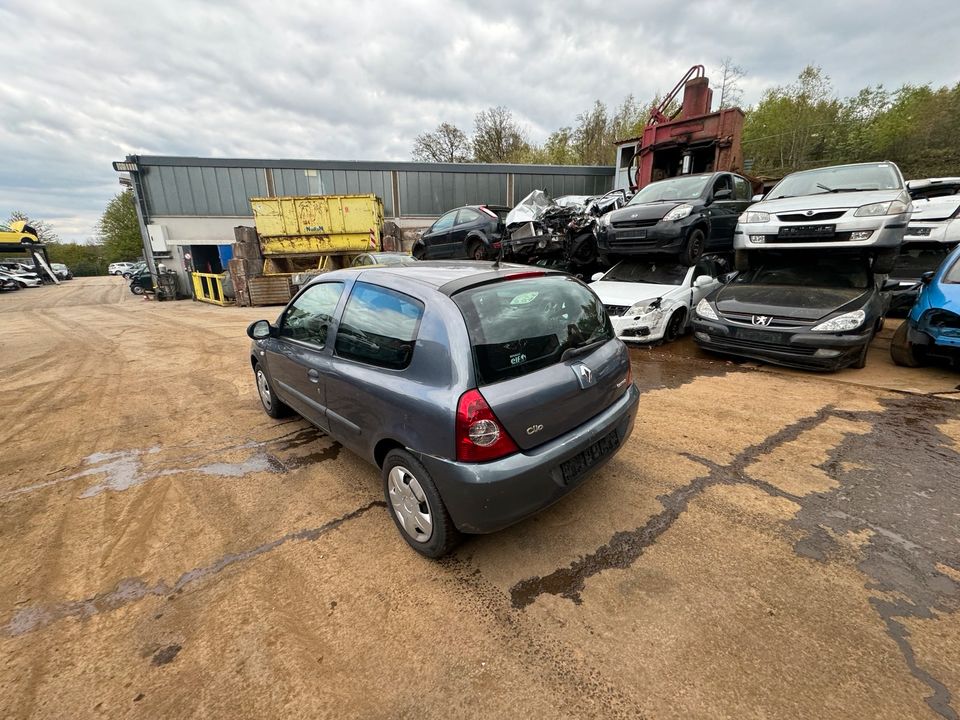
column 519, row 326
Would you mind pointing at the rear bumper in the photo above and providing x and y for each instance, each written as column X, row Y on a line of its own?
column 806, row 350
column 486, row 497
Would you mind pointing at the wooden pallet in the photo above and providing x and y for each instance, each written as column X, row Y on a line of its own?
column 269, row 290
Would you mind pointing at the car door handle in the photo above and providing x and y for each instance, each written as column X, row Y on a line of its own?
column 313, row 376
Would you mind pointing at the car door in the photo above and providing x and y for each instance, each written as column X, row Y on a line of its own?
column 467, row 219
column 436, row 240
column 298, row 358
column 374, row 342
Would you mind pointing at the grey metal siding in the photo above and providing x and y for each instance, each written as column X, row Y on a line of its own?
column 557, row 185
column 202, row 191
column 433, row 193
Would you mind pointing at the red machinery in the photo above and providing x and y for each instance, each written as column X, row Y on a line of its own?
column 691, row 140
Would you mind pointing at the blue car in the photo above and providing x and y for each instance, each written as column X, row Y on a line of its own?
column 932, row 329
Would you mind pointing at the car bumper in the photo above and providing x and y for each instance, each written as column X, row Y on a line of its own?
column 486, row 497
column 806, row 350
column 645, row 329
column 947, row 232
column 886, row 234
column 660, row 238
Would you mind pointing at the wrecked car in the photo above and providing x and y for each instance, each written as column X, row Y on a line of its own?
column 806, row 310
column 540, row 229
column 652, row 300
column 685, row 216
column 933, row 327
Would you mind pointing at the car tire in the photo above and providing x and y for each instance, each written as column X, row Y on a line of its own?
column 412, row 500
column 884, row 262
column 902, row 351
column 137, row 290
column 418, row 252
column 693, row 248
column 272, row 405
column 741, row 260
column 476, row 251
column 675, row 325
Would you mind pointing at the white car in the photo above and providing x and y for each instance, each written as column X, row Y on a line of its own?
column 22, row 279
column 651, row 300
column 118, row 268
column 936, row 211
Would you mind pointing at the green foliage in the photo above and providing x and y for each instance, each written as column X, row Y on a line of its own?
column 81, row 259
column 119, row 229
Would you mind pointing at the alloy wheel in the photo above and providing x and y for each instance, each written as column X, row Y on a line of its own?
column 264, row 388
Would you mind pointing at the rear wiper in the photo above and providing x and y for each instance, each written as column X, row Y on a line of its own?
column 582, row 350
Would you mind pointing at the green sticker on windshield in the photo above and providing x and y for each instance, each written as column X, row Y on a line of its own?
column 524, row 298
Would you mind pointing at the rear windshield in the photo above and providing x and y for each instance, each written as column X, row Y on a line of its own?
column 643, row 271
column 825, row 272
column 519, row 326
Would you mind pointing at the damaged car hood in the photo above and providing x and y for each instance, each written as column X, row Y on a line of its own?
column 806, row 303
column 628, row 293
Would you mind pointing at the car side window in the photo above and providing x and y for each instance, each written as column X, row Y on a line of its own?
column 742, row 189
column 445, row 222
column 379, row 327
column 704, row 267
column 308, row 318
column 467, row 216
column 722, row 183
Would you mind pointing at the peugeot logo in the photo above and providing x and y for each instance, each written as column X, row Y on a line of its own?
column 762, row 320
column 584, row 375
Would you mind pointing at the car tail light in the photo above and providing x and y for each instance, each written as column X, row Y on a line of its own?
column 480, row 437
column 527, row 274
column 489, row 212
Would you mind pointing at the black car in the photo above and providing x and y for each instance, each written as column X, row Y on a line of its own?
column 805, row 310
column 685, row 216
column 915, row 259
column 473, row 232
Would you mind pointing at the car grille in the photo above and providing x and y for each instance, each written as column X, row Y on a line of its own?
column 776, row 321
column 734, row 342
column 816, row 217
column 636, row 223
column 616, row 310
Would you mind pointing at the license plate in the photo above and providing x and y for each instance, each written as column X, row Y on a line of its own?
column 580, row 463
column 799, row 231
column 764, row 336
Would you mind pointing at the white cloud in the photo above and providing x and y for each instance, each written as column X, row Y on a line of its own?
column 359, row 79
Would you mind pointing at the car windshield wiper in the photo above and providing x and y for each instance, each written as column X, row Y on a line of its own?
column 843, row 189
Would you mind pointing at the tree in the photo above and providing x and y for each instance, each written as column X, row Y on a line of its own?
column 45, row 231
column 119, row 229
column 447, row 143
column 731, row 94
column 498, row 138
column 591, row 137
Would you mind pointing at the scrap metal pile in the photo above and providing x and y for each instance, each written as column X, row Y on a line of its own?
column 558, row 233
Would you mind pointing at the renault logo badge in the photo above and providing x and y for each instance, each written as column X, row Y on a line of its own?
column 584, row 375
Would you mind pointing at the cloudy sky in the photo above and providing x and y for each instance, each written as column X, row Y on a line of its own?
column 85, row 83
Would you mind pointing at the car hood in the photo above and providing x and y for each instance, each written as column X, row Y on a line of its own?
column 808, row 303
column 627, row 293
column 939, row 208
column 826, row 200
column 643, row 211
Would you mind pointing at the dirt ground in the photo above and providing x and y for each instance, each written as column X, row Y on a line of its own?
column 768, row 544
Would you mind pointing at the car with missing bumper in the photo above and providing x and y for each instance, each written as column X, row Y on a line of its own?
column 864, row 206
column 803, row 310
column 483, row 393
column 685, row 216
column 652, row 300
column 473, row 232
column 932, row 329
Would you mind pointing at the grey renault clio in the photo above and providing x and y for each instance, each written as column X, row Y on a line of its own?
column 484, row 393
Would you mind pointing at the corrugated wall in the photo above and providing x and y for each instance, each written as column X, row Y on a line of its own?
column 206, row 189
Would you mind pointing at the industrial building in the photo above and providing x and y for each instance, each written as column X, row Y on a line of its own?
column 189, row 207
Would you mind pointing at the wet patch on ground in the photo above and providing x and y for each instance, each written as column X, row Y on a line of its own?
column 131, row 590
column 125, row 469
column 165, row 655
column 673, row 365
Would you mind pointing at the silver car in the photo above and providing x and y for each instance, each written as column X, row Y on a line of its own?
column 862, row 206
column 483, row 393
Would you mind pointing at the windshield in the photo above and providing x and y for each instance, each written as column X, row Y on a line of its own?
column 844, row 178
column 824, row 272
column 641, row 271
column 687, row 187
column 519, row 326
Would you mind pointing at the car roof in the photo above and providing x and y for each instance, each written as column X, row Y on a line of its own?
column 444, row 276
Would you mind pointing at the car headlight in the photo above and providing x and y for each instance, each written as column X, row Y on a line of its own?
column 643, row 307
column 705, row 310
column 895, row 207
column 842, row 323
column 754, row 216
column 678, row 213
column 605, row 219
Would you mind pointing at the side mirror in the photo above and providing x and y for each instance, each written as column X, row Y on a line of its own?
column 756, row 198
column 702, row 281
column 260, row 330
column 595, row 277
column 927, row 277
column 724, row 194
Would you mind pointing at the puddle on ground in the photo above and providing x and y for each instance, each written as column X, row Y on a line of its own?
column 665, row 366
